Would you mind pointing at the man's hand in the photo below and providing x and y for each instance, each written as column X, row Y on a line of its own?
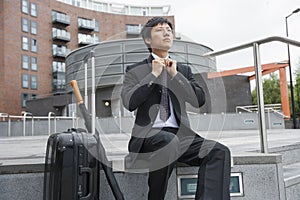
column 171, row 66
column 157, row 66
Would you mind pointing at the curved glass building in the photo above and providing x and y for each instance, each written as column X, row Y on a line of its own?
column 111, row 60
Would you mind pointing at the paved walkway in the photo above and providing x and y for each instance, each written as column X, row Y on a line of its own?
column 31, row 149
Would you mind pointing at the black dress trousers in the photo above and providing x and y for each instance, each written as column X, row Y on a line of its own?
column 163, row 148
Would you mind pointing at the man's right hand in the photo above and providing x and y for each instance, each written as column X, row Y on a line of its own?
column 157, row 66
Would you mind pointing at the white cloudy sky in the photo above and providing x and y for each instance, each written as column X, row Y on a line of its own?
column 225, row 23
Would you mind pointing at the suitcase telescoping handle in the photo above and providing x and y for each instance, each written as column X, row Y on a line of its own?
column 104, row 161
column 88, row 171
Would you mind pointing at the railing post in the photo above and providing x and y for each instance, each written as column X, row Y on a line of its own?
column 32, row 125
column 86, row 98
column 260, row 100
column 49, row 122
column 4, row 115
column 9, row 126
column 93, row 107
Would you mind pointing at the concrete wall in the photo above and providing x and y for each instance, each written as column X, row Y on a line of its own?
column 207, row 122
column 261, row 179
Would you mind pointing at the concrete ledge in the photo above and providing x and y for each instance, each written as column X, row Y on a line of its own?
column 256, row 158
column 22, row 168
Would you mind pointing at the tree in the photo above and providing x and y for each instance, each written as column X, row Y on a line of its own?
column 271, row 90
column 297, row 91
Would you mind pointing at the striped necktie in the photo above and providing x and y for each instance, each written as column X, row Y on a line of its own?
column 164, row 101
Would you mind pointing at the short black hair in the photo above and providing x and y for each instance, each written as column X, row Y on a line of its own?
column 146, row 31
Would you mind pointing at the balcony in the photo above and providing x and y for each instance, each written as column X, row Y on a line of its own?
column 60, row 34
column 60, row 51
column 84, row 39
column 58, row 84
column 60, row 18
column 58, row 67
column 86, row 24
column 133, row 29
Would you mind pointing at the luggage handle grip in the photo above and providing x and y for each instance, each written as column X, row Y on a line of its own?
column 76, row 91
column 89, row 171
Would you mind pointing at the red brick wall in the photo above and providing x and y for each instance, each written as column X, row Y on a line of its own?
column 2, row 91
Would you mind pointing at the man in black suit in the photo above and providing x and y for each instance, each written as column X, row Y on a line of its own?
column 158, row 88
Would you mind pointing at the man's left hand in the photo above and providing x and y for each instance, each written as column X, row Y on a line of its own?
column 171, row 66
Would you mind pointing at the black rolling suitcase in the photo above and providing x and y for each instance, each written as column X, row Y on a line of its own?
column 73, row 160
column 71, row 169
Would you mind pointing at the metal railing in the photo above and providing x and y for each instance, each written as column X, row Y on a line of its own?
column 276, row 108
column 26, row 115
column 258, row 73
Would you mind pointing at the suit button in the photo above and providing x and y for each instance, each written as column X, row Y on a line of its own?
column 151, row 82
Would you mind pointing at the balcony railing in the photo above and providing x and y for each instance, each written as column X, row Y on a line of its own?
column 60, row 34
column 60, row 51
column 61, row 18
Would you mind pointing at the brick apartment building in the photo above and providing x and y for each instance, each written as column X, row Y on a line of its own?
column 36, row 36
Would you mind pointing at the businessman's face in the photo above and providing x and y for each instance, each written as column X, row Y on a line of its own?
column 161, row 37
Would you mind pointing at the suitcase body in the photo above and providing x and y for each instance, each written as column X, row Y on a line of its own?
column 71, row 169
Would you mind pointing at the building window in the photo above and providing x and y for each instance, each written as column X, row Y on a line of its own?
column 34, row 64
column 33, row 45
column 25, row 6
column 33, row 9
column 24, row 99
column 33, row 82
column 25, row 43
column 25, row 61
column 25, row 24
column 25, row 81
column 96, row 26
column 144, row 11
column 33, row 96
column 33, row 27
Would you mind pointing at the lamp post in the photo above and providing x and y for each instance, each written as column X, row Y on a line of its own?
column 290, row 68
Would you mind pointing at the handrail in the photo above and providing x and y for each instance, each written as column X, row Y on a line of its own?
column 5, row 115
column 250, row 44
column 49, row 122
column 24, row 123
column 275, row 108
column 26, row 115
column 258, row 74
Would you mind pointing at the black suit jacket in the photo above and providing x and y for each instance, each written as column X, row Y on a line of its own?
column 141, row 92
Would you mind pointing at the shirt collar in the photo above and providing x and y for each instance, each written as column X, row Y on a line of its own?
column 156, row 56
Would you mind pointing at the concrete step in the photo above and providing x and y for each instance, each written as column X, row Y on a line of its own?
column 290, row 153
column 291, row 175
column 264, row 176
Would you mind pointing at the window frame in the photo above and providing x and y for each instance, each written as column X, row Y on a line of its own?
column 24, row 98
column 24, row 43
column 32, row 81
column 24, row 81
column 33, row 28
column 25, row 6
column 25, row 26
column 33, row 12
column 34, row 48
column 23, row 61
column 32, row 59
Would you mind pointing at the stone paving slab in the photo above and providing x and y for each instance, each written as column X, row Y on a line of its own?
column 31, row 149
